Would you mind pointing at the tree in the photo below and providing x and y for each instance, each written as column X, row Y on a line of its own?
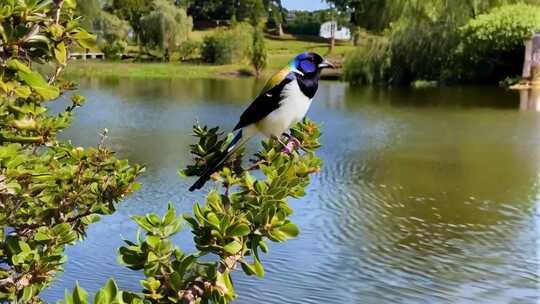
column 112, row 33
column 211, row 9
column 164, row 28
column 90, row 10
column 50, row 190
column 275, row 15
column 258, row 54
column 251, row 11
column 130, row 10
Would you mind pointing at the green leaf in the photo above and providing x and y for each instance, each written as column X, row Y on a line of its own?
column 16, row 65
column 290, row 230
column 142, row 222
column 80, row 296
column 259, row 269
column 60, row 53
column 212, row 218
column 233, row 247
column 108, row 294
column 36, row 82
column 153, row 219
column 85, row 40
column 28, row 293
column 238, row 230
column 170, row 215
column 153, row 241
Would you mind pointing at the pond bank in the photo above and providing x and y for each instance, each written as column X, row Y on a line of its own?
column 97, row 68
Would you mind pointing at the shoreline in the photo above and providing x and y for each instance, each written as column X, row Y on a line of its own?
column 99, row 68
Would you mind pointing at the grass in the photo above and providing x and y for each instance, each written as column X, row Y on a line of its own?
column 280, row 51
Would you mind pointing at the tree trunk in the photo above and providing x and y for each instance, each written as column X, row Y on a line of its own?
column 280, row 29
column 332, row 37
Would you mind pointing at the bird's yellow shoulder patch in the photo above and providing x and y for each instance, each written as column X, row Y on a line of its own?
column 276, row 79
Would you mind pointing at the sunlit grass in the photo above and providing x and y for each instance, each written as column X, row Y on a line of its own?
column 280, row 51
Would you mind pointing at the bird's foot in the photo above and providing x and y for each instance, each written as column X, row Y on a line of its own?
column 291, row 145
column 278, row 139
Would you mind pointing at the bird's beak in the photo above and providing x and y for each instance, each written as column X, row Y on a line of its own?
column 326, row 64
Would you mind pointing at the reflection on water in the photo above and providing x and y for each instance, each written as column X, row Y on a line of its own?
column 529, row 99
column 426, row 196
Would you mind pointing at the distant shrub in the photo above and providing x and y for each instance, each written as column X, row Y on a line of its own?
column 369, row 64
column 112, row 35
column 304, row 25
column 492, row 43
column 115, row 50
column 188, row 49
column 258, row 54
column 502, row 29
column 164, row 28
column 226, row 46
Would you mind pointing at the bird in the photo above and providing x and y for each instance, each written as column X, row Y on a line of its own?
column 284, row 101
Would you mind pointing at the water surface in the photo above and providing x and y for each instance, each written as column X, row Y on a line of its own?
column 426, row 196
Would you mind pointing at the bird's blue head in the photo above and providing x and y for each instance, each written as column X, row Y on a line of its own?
column 309, row 64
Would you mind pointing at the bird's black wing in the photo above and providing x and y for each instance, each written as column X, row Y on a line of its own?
column 264, row 104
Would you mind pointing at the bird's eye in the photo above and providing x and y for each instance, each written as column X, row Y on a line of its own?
column 307, row 66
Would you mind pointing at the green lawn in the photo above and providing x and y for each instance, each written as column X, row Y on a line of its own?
column 280, row 51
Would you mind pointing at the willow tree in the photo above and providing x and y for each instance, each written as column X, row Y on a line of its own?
column 164, row 28
column 423, row 35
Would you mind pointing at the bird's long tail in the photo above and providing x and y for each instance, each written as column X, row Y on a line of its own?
column 238, row 141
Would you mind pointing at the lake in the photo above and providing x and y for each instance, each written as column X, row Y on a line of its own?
column 425, row 196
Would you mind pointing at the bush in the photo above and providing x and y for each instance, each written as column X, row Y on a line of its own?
column 226, row 46
column 231, row 229
column 439, row 41
column 370, row 63
column 304, row 24
column 114, row 50
column 50, row 190
column 502, row 29
column 112, row 35
column 165, row 28
column 492, row 43
column 188, row 49
column 258, row 54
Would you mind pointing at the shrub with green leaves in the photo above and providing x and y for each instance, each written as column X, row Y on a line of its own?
column 164, row 28
column 231, row 230
column 112, row 33
column 228, row 45
column 50, row 190
column 259, row 55
column 370, row 63
column 492, row 43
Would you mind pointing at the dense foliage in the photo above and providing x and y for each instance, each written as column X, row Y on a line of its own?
column 493, row 42
column 228, row 45
column 112, row 33
column 258, row 53
column 370, row 64
column 164, row 28
column 50, row 190
column 436, row 40
column 230, row 230
column 309, row 23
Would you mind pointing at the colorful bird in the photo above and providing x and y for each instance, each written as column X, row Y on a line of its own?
column 283, row 102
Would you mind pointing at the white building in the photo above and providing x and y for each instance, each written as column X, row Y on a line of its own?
column 340, row 33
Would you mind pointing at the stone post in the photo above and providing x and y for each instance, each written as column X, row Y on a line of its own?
column 535, row 61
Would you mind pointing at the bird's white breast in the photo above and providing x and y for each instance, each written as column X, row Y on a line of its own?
column 293, row 108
